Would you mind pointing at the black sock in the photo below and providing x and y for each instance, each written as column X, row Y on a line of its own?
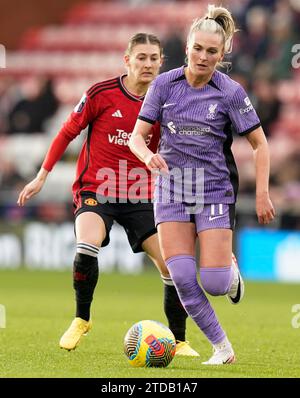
column 85, row 277
column 175, row 312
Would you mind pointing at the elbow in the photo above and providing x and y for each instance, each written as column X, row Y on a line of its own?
column 262, row 147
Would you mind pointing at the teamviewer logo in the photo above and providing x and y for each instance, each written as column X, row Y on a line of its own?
column 2, row 56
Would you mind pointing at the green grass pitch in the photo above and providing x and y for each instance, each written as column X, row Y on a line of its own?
column 40, row 305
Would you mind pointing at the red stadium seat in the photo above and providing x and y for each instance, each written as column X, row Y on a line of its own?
column 122, row 13
column 84, row 37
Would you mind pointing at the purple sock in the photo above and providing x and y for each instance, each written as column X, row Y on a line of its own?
column 216, row 281
column 182, row 269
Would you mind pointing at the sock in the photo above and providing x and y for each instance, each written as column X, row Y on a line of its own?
column 182, row 268
column 216, row 281
column 85, row 277
column 224, row 344
column 174, row 310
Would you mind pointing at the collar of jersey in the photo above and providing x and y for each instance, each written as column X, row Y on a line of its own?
column 211, row 82
column 128, row 93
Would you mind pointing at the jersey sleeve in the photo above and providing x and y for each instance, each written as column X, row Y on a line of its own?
column 242, row 114
column 154, row 137
column 83, row 114
column 151, row 108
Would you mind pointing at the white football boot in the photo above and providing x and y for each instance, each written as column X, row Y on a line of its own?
column 222, row 354
column 237, row 289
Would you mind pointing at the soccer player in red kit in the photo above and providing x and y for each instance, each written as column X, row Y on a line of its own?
column 112, row 184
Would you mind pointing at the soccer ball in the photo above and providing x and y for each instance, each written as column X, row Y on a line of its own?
column 149, row 344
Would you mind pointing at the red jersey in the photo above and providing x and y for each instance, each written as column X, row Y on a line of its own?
column 105, row 164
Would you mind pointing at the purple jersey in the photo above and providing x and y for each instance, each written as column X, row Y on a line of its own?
column 196, row 128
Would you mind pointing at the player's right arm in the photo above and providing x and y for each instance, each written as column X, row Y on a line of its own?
column 138, row 146
column 82, row 115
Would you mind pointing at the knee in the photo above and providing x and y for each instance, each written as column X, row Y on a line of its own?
column 216, row 281
column 182, row 269
column 160, row 265
column 165, row 274
column 90, row 228
column 163, row 269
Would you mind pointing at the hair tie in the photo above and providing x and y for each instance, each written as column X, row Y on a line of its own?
column 210, row 18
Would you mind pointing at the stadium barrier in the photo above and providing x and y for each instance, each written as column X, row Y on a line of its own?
column 262, row 254
column 37, row 245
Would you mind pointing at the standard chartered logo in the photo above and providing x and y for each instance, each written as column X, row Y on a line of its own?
column 188, row 130
column 172, row 127
column 2, row 317
column 2, row 56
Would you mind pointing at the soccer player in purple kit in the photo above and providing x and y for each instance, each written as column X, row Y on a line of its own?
column 196, row 106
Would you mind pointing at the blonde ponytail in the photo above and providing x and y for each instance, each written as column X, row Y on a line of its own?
column 216, row 20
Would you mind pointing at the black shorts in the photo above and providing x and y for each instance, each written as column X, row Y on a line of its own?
column 136, row 218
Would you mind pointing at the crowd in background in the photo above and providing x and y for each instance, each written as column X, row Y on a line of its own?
column 262, row 61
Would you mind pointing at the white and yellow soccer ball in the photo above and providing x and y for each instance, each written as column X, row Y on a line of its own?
column 149, row 344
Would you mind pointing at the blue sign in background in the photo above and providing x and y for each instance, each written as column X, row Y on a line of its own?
column 269, row 255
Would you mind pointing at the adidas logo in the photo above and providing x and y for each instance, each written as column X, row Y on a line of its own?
column 117, row 114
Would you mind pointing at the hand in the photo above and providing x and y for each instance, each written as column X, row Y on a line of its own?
column 30, row 190
column 264, row 208
column 156, row 163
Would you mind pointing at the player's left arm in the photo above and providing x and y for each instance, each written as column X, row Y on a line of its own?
column 264, row 207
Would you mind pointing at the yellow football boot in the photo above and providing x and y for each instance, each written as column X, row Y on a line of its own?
column 71, row 338
column 183, row 348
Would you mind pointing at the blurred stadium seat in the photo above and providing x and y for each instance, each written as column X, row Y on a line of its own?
column 117, row 13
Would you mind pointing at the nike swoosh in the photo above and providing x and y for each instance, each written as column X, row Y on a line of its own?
column 166, row 105
column 214, row 218
column 229, row 360
column 238, row 294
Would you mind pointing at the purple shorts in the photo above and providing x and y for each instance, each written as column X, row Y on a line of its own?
column 212, row 216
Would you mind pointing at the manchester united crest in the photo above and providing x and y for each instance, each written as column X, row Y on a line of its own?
column 91, row 202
